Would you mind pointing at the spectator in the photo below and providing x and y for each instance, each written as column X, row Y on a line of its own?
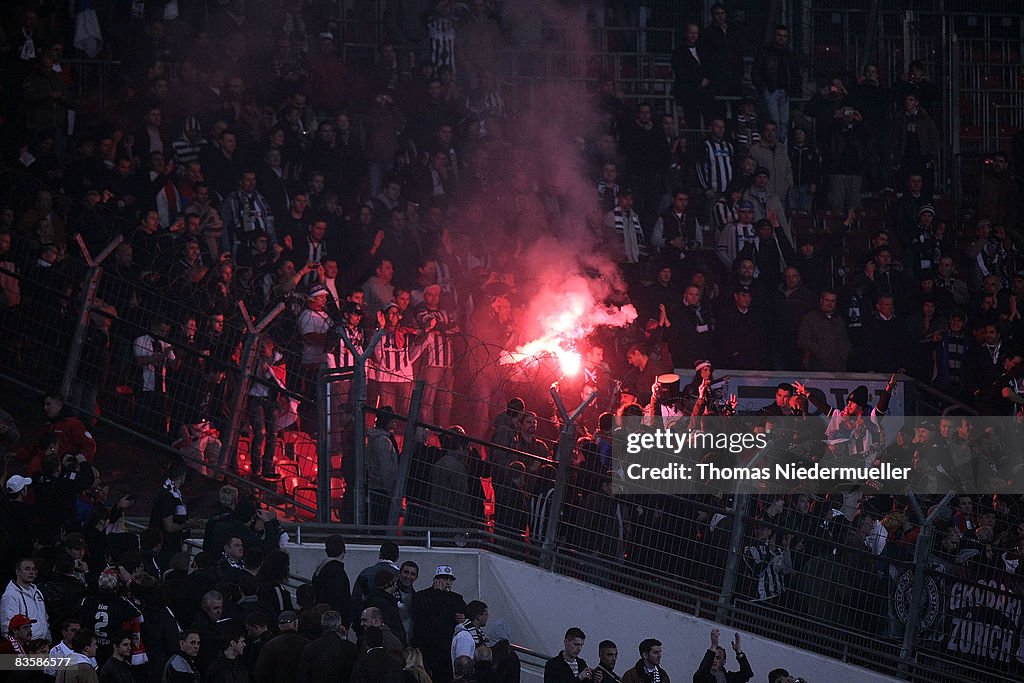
column 378, row 665
column 279, row 658
column 712, row 666
column 18, row 636
column 715, row 163
column 771, row 153
column 181, row 668
column 648, row 667
column 691, row 87
column 470, row 633
column 435, row 613
column 844, row 160
column 806, row 164
column 118, row 669
column 776, row 76
column 330, row 582
column 23, row 597
column 567, row 666
column 170, row 513
column 740, row 334
column 608, row 655
column 330, row 657
column 916, row 143
column 767, row 204
column 387, row 558
column 81, row 668
column 822, row 337
column 723, row 53
column 372, row 617
column 228, row 667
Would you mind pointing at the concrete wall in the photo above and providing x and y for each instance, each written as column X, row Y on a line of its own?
column 539, row 606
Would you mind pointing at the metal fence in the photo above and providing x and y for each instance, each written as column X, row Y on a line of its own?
column 807, row 572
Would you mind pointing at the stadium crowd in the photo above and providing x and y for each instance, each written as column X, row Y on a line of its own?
column 245, row 161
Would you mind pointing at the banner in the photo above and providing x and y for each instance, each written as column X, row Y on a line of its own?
column 755, row 389
column 984, row 621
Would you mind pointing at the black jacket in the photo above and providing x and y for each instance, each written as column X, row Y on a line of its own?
column 776, row 69
column 703, row 673
column 556, row 670
column 330, row 585
column 328, row 658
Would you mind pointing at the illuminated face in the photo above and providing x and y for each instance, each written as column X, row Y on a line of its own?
column 403, row 299
column 432, row 297
column 235, row 549
column 691, row 297
column 573, row 647
column 51, row 407
column 680, row 201
column 608, row 656
column 782, row 397
column 653, row 656
column 124, row 648
column 407, row 577
column 385, row 271
column 190, row 645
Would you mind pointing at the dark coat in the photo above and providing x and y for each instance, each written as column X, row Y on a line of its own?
column 556, row 670
column 703, row 673
column 328, row 658
column 279, row 658
column 330, row 585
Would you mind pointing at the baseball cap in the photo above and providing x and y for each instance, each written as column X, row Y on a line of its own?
column 444, row 570
column 19, row 620
column 761, row 170
column 287, row 617
column 743, row 289
column 745, row 205
column 317, row 290
column 17, row 484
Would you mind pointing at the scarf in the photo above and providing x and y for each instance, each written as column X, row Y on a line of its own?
column 19, row 649
column 180, row 510
column 475, row 631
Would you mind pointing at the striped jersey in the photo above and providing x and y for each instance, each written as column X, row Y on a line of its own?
column 438, row 345
column 393, row 358
column 715, row 170
column 344, row 357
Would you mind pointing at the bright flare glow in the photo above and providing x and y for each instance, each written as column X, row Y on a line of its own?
column 570, row 362
column 567, row 319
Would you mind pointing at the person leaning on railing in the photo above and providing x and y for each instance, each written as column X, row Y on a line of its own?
column 712, row 667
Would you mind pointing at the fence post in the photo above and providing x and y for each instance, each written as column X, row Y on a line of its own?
column 922, row 548
column 246, row 366
column 359, row 408
column 732, row 560
column 323, row 446
column 88, row 300
column 405, row 461
column 566, row 442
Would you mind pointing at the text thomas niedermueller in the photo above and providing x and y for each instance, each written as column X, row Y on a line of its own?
column 789, row 472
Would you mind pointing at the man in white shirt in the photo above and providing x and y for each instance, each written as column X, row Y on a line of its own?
column 153, row 355
column 23, row 597
column 63, row 648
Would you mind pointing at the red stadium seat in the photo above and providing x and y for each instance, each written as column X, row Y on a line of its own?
column 872, row 206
